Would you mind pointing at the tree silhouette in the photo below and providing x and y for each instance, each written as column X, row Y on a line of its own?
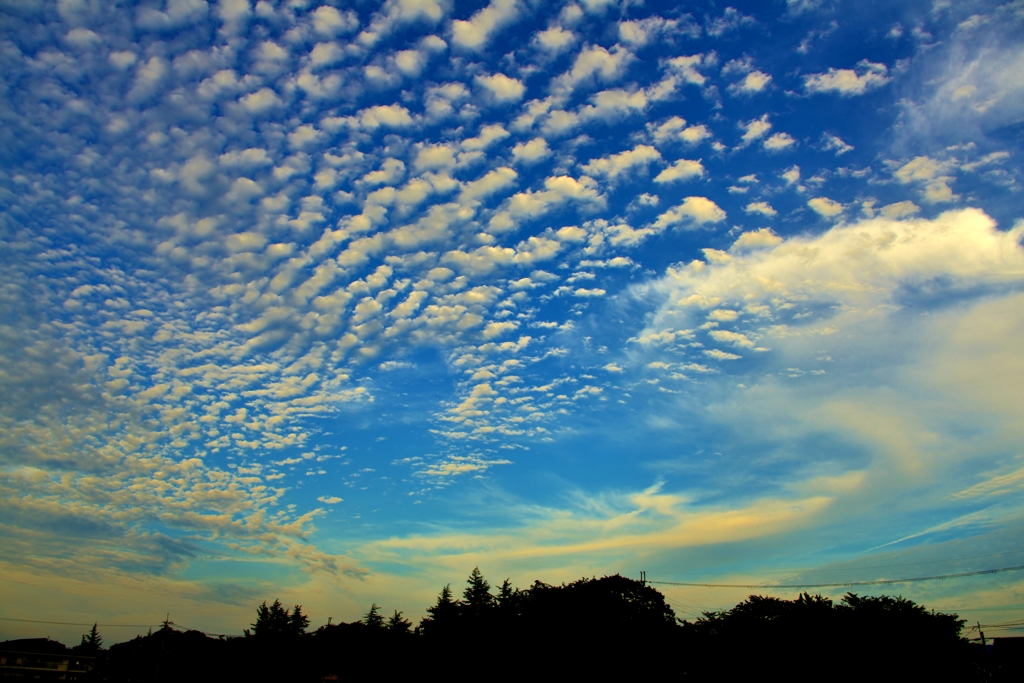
column 444, row 614
column 92, row 642
column 373, row 618
column 477, row 595
column 272, row 620
column 396, row 624
column 297, row 621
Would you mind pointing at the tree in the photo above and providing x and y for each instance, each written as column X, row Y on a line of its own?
column 298, row 621
column 373, row 618
column 477, row 595
column 443, row 615
column 396, row 624
column 92, row 642
column 271, row 621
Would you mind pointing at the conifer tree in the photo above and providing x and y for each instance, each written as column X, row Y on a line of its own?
column 477, row 594
column 271, row 621
column 297, row 621
column 92, row 641
column 373, row 618
column 443, row 615
column 396, row 624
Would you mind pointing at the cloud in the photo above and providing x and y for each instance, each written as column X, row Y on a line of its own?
column 932, row 174
column 611, row 167
column 595, row 63
column 761, row 238
column 396, row 13
column 391, row 116
column 682, row 169
column 558, row 190
column 900, row 210
column 753, row 82
column 330, row 22
column 833, row 143
column 554, row 39
column 731, row 20
column 488, row 135
column 637, row 33
column 791, row 175
column 825, row 207
column 762, row 208
column 779, row 142
column 755, row 130
column 330, row 500
column 531, row 151
column 474, row 33
column 502, row 88
column 865, row 77
column 694, row 212
column 861, row 265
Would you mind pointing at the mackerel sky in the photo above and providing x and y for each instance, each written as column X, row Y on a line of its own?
column 333, row 302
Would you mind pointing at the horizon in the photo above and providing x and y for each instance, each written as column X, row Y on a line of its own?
column 331, row 302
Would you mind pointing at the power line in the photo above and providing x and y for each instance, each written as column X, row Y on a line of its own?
column 74, row 623
column 844, row 584
column 870, row 566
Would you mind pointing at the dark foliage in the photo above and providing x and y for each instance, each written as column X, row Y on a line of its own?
column 861, row 638
column 612, row 627
column 92, row 643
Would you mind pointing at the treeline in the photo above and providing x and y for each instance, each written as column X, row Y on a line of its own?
column 607, row 627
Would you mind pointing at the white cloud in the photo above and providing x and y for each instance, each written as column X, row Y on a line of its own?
column 178, row 13
column 693, row 212
column 682, row 169
column 557, row 191
column 488, row 135
column 610, row 105
column 779, row 142
column 685, row 68
column 331, row 500
column 791, row 175
column 502, row 88
column 410, row 62
column 753, row 82
column 730, row 20
column 638, row 33
column 861, row 265
column 825, row 207
column 694, row 134
column 595, row 63
column 762, row 208
column 328, row 21
column 755, row 129
column 554, row 39
column 397, row 13
column 718, row 354
column 391, row 116
column 831, row 142
column 474, row 33
column 933, row 174
column 849, row 82
column 391, row 172
column 616, row 164
column 761, row 238
column 899, row 210
column 531, row 151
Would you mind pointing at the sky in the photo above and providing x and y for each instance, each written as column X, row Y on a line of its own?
column 333, row 302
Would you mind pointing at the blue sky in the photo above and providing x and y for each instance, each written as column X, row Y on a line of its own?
column 333, row 302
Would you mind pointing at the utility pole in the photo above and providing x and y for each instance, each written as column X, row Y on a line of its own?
column 982, row 634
